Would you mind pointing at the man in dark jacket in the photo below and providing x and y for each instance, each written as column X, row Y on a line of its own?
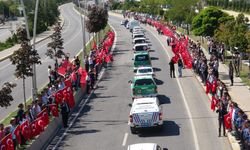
column 65, row 113
column 231, row 73
column 172, row 69
column 221, row 112
column 180, row 67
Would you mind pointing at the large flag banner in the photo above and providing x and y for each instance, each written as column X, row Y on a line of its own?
column 7, row 143
column 35, row 130
column 44, row 116
column 25, row 130
column 17, row 133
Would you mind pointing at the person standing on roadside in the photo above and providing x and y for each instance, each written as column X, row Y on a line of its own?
column 180, row 67
column 172, row 69
column 231, row 73
column 65, row 113
column 221, row 112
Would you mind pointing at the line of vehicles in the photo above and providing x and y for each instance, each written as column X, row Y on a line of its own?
column 146, row 111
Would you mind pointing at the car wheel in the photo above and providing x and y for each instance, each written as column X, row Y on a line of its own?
column 133, row 131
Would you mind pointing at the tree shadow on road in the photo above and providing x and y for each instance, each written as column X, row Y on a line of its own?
column 154, row 58
column 170, row 128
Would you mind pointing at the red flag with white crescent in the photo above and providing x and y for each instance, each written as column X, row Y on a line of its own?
column 25, row 130
column 44, row 116
column 54, row 110
column 7, row 143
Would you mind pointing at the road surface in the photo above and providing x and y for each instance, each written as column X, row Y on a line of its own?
column 102, row 125
column 72, row 44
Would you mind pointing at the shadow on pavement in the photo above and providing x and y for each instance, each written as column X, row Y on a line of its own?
column 164, row 99
column 170, row 128
column 158, row 82
column 156, row 69
column 154, row 58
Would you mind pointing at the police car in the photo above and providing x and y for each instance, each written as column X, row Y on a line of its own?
column 142, row 71
column 145, row 113
column 145, row 146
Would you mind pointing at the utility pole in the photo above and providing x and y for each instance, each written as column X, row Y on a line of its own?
column 83, row 29
column 34, row 83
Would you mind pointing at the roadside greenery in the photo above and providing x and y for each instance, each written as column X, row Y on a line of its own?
column 237, row 5
column 11, row 41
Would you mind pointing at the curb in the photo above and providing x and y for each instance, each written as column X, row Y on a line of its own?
column 39, row 41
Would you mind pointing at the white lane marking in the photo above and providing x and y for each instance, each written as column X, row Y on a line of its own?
column 183, row 96
column 125, row 139
column 88, row 98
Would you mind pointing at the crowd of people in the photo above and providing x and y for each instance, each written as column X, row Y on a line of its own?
column 66, row 75
column 230, row 116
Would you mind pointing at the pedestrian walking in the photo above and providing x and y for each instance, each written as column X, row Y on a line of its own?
column 221, row 112
column 172, row 69
column 65, row 113
column 180, row 67
column 231, row 73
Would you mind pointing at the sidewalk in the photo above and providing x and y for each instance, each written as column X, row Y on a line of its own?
column 5, row 54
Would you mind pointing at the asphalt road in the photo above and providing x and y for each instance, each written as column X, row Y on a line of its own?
column 72, row 44
column 102, row 125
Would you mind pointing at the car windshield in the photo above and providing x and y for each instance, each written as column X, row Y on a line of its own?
column 140, row 41
column 141, row 48
column 144, row 82
column 139, row 36
column 145, row 70
column 141, row 58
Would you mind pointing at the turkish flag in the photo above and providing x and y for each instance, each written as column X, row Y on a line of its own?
column 58, row 97
column 17, row 133
column 214, row 86
column 25, row 130
column 228, row 121
column 54, row 110
column 214, row 103
column 40, row 124
column 68, row 83
column 44, row 116
column 68, row 95
column 208, row 87
column 7, row 143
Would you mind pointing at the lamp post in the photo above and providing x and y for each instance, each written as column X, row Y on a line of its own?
column 34, row 87
column 83, row 29
column 34, row 83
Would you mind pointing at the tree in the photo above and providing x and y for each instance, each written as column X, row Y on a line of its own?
column 5, row 94
column 24, row 58
column 55, row 47
column 207, row 21
column 97, row 19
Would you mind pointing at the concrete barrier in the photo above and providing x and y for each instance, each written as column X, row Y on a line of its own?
column 54, row 126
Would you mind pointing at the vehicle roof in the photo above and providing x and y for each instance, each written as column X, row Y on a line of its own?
column 143, row 77
column 145, row 99
column 142, row 146
column 138, row 34
column 140, row 38
column 146, row 67
column 141, row 44
column 141, row 53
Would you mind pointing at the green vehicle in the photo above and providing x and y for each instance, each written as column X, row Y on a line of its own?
column 143, row 86
column 141, row 59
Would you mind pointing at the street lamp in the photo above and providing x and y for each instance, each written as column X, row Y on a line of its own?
column 83, row 29
column 34, row 86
